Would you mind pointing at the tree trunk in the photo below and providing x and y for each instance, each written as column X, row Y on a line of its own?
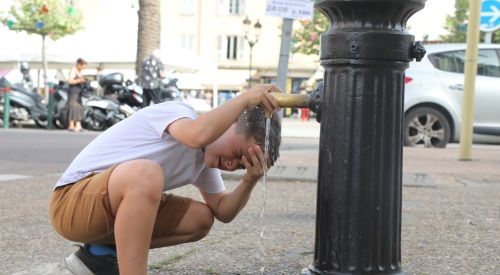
column 45, row 69
column 149, row 30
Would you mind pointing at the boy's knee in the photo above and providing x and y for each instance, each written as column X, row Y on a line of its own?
column 208, row 222
column 147, row 177
column 205, row 221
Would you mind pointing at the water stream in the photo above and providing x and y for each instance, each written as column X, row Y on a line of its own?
column 263, row 207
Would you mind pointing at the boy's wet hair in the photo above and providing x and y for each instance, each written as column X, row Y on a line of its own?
column 252, row 123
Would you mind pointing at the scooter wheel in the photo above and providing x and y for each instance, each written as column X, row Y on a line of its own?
column 41, row 123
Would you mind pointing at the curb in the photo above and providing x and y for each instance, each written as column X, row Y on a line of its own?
column 310, row 174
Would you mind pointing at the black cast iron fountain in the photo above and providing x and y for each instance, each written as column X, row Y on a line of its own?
column 365, row 53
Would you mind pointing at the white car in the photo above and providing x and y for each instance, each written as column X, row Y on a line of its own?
column 433, row 95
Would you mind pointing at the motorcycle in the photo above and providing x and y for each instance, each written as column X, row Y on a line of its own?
column 61, row 105
column 132, row 95
column 127, row 93
column 25, row 104
column 100, row 112
column 169, row 90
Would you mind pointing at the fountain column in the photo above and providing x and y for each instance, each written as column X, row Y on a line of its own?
column 365, row 53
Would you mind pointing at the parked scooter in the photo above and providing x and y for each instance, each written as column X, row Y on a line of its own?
column 132, row 95
column 61, row 105
column 127, row 93
column 61, row 91
column 25, row 104
column 169, row 90
column 100, row 112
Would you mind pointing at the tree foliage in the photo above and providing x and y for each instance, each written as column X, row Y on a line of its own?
column 306, row 39
column 51, row 18
column 47, row 18
column 457, row 25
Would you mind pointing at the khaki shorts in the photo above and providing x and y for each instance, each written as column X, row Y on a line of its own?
column 81, row 212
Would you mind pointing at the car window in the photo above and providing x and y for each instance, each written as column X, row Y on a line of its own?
column 449, row 61
column 488, row 63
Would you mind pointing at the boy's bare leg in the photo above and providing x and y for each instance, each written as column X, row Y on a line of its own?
column 195, row 225
column 135, row 189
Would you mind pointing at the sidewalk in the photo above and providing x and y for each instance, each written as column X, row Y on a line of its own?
column 422, row 167
column 450, row 218
column 296, row 128
column 451, row 227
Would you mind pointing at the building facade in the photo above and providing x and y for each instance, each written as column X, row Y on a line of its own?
column 214, row 30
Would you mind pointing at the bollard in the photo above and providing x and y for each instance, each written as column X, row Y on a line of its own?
column 5, row 89
column 6, row 107
column 365, row 53
column 50, row 107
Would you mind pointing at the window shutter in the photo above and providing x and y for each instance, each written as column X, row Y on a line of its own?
column 223, row 7
column 242, row 7
column 186, row 41
column 187, row 7
column 231, row 43
column 221, row 47
column 181, row 41
column 241, row 47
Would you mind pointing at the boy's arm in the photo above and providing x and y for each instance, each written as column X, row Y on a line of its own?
column 227, row 205
column 208, row 127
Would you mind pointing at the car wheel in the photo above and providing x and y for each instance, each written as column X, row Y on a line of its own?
column 427, row 127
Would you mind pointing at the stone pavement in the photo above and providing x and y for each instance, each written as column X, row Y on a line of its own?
column 292, row 127
column 451, row 219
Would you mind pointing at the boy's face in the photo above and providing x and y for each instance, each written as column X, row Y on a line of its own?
column 226, row 152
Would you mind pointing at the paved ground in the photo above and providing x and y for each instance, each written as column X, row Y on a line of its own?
column 451, row 221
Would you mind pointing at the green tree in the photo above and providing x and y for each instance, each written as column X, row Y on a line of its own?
column 306, row 39
column 457, row 25
column 47, row 18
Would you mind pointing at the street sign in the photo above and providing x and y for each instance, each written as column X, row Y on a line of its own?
column 490, row 15
column 292, row 9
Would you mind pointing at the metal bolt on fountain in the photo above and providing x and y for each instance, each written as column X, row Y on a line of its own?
column 365, row 53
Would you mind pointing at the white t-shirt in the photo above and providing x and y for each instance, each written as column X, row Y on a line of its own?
column 143, row 136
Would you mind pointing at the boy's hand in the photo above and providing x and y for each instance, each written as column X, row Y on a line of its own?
column 259, row 94
column 254, row 166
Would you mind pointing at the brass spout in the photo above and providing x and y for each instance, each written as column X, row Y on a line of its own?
column 292, row 100
column 311, row 101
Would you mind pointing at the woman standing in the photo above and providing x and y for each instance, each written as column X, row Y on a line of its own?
column 75, row 107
